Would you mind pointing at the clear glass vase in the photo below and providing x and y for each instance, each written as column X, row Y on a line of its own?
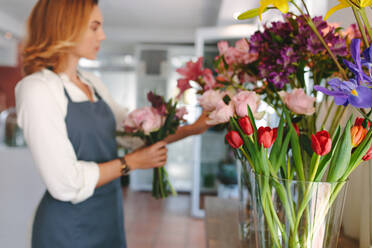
column 246, row 185
column 297, row 214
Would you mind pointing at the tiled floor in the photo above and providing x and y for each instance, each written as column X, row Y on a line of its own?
column 167, row 223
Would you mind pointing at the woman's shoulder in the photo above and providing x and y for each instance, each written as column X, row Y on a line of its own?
column 39, row 85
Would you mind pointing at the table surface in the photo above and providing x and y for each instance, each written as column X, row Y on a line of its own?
column 222, row 223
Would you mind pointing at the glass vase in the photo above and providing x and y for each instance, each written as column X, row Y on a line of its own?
column 246, row 185
column 297, row 214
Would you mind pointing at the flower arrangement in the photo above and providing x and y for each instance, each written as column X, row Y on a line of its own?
column 153, row 124
column 268, row 153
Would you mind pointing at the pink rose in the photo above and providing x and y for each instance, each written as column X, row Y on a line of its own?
column 210, row 81
column 145, row 119
column 210, row 99
column 181, row 112
column 298, row 102
column 244, row 98
column 221, row 114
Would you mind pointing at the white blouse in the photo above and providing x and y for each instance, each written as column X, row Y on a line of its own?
column 41, row 109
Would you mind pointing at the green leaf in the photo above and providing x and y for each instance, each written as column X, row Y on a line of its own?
column 296, row 149
column 252, row 13
column 253, row 123
column 340, row 161
column 306, row 144
column 277, row 144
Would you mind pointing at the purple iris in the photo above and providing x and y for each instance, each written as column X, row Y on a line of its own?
column 357, row 91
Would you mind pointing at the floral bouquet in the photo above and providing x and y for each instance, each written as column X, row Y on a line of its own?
column 153, row 124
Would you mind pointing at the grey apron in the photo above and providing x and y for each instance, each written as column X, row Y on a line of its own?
column 97, row 222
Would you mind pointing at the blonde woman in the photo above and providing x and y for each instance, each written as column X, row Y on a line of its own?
column 69, row 121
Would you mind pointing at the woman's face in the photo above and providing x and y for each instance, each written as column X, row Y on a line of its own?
column 89, row 44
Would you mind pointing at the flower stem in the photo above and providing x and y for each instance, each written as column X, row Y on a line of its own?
column 366, row 24
column 360, row 25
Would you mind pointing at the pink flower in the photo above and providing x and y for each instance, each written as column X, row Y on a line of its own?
column 144, row 119
column 193, row 70
column 210, row 99
column 183, row 84
column 298, row 102
column 180, row 112
column 210, row 81
column 244, row 98
column 244, row 56
column 231, row 55
column 222, row 46
column 221, row 114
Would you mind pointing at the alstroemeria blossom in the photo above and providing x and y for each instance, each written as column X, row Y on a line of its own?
column 298, row 102
column 282, row 5
column 347, row 3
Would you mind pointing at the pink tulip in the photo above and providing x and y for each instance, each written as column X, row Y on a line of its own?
column 298, row 102
column 244, row 98
column 221, row 114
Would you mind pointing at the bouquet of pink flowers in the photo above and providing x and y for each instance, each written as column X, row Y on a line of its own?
column 153, row 124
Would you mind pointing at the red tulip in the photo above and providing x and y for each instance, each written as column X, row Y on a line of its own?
column 234, row 139
column 368, row 155
column 266, row 136
column 321, row 143
column 246, row 125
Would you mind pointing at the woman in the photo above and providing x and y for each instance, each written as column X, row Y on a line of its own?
column 69, row 120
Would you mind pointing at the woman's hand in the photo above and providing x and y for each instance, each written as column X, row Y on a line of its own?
column 200, row 125
column 148, row 157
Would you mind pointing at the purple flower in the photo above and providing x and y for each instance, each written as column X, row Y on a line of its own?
column 348, row 92
column 358, row 91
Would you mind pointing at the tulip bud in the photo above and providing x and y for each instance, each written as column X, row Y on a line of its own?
column 359, row 122
column 266, row 136
column 358, row 133
column 321, row 143
column 368, row 155
column 234, row 139
column 246, row 125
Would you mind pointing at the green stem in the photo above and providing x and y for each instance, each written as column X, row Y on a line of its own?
column 313, row 174
column 327, row 115
column 360, row 25
column 161, row 183
column 174, row 193
column 363, row 14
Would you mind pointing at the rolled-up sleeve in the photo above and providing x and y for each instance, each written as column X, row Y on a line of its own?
column 44, row 128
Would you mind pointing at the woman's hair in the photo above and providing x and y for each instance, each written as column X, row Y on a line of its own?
column 53, row 28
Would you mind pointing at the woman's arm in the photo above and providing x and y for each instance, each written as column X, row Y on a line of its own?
column 198, row 127
column 145, row 158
